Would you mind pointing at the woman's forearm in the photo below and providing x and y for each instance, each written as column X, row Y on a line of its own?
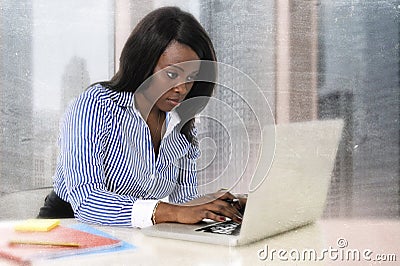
column 166, row 212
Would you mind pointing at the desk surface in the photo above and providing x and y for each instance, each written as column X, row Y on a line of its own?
column 334, row 242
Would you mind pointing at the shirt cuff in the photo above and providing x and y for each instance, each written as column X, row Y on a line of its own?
column 142, row 212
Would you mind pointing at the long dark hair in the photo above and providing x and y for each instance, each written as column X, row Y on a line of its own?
column 146, row 44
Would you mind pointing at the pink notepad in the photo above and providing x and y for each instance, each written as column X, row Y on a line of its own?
column 26, row 253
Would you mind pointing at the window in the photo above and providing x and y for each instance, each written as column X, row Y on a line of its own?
column 312, row 60
column 49, row 53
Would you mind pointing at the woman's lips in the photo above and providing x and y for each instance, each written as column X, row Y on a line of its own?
column 173, row 102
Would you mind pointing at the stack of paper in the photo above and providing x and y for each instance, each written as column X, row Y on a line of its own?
column 24, row 244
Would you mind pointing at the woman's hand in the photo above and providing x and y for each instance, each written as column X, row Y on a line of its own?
column 217, row 206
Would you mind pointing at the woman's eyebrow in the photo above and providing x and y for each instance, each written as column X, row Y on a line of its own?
column 172, row 65
column 182, row 69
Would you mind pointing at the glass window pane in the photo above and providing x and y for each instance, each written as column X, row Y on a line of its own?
column 50, row 52
column 313, row 60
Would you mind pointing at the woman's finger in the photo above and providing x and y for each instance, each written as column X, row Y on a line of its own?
column 215, row 217
column 221, row 207
column 225, row 196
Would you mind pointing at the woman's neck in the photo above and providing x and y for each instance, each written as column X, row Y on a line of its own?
column 143, row 105
column 154, row 118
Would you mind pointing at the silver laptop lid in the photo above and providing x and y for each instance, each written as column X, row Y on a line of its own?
column 293, row 191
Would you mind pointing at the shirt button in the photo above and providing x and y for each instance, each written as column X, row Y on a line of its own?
column 140, row 197
column 152, row 177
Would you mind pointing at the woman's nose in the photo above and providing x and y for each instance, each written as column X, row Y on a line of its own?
column 181, row 88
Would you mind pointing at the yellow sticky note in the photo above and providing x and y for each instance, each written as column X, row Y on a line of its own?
column 41, row 225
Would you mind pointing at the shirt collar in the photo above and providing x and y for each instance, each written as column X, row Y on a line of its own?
column 172, row 119
column 127, row 99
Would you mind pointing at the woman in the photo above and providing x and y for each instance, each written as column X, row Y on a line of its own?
column 129, row 142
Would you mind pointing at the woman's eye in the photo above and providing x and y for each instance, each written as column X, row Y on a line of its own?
column 172, row 75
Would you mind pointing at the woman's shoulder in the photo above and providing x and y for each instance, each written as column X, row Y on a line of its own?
column 107, row 96
column 95, row 96
column 97, row 92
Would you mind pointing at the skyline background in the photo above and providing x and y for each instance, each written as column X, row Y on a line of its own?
column 62, row 30
column 312, row 59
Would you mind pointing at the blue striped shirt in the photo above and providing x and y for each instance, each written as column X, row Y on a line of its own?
column 107, row 167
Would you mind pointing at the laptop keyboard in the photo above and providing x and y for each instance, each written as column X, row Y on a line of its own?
column 224, row 228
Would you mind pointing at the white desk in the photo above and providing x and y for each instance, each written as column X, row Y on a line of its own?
column 379, row 236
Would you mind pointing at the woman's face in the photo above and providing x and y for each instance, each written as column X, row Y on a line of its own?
column 173, row 77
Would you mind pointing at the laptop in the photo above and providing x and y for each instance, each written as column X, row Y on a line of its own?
column 289, row 193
